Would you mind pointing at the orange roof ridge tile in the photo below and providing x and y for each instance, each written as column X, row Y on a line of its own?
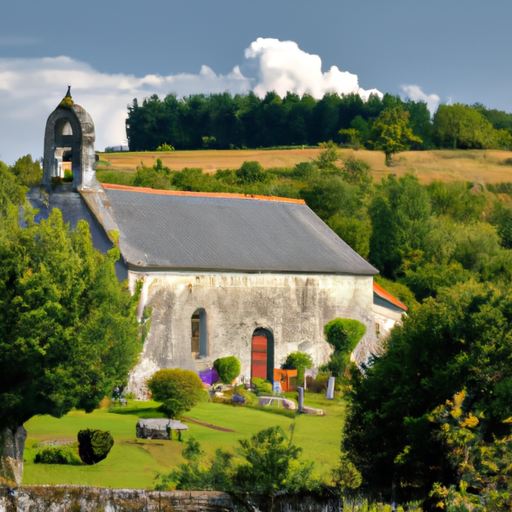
column 225, row 195
column 387, row 296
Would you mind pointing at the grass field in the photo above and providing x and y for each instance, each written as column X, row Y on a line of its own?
column 134, row 463
column 487, row 166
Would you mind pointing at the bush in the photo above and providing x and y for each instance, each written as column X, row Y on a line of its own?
column 262, row 386
column 228, row 369
column 179, row 390
column 343, row 335
column 252, row 172
column 299, row 361
column 94, row 445
column 54, row 456
column 165, row 147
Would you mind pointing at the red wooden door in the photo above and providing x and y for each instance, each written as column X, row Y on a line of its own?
column 259, row 357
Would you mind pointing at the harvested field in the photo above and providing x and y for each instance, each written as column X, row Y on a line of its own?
column 447, row 165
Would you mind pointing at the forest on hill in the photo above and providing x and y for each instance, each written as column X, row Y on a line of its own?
column 223, row 121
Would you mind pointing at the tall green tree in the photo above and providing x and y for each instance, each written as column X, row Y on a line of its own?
column 69, row 329
column 460, row 126
column 460, row 341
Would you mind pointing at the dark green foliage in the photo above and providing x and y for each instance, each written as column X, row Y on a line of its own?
column 269, row 464
column 27, row 171
column 252, row 172
column 353, row 231
column 356, row 171
column 262, row 386
column 70, row 332
column 55, row 456
column 501, row 217
column 461, row 341
column 343, row 335
column 94, row 445
column 228, row 368
column 158, row 176
column 11, row 191
column 400, row 215
column 461, row 126
column 458, row 200
column 179, row 390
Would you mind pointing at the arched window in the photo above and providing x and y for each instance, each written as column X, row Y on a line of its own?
column 199, row 339
column 63, row 127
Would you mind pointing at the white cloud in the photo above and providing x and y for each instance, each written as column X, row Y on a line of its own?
column 283, row 67
column 415, row 93
column 31, row 88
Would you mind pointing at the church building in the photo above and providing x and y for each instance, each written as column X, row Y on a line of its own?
column 220, row 274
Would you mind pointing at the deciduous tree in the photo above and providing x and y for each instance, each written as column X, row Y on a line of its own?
column 392, row 133
column 69, row 329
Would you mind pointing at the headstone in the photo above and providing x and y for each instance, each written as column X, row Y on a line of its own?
column 277, row 387
column 330, row 388
column 300, row 389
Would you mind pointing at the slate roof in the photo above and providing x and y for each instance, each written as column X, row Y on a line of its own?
column 199, row 231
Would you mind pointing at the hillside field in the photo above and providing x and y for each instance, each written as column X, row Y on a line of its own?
column 485, row 166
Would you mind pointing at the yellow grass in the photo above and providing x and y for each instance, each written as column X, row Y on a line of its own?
column 446, row 165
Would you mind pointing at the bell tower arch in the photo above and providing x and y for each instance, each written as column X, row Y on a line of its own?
column 69, row 146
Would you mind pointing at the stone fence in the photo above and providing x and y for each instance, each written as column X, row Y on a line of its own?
column 60, row 498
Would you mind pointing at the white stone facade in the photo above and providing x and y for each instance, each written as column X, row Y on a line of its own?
column 295, row 308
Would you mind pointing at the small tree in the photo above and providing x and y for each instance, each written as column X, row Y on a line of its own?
column 343, row 335
column 179, row 390
column 392, row 133
column 251, row 172
column 228, row 369
column 298, row 361
column 94, row 445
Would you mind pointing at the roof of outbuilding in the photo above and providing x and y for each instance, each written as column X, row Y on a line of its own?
column 201, row 231
column 383, row 294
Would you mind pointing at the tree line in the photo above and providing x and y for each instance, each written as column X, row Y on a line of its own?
column 223, row 121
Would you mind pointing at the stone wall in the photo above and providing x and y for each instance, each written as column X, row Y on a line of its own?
column 91, row 499
column 295, row 308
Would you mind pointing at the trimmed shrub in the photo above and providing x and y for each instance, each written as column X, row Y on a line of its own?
column 94, row 445
column 179, row 390
column 343, row 335
column 262, row 386
column 228, row 369
column 54, row 456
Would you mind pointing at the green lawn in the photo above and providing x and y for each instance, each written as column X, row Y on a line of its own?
column 134, row 463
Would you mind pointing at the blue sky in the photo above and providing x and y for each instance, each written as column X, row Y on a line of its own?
column 111, row 51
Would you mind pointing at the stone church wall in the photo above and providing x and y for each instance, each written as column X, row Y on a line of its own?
column 294, row 308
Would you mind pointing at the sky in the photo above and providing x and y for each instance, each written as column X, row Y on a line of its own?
column 112, row 51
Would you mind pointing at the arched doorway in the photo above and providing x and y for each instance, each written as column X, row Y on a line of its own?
column 199, row 339
column 262, row 354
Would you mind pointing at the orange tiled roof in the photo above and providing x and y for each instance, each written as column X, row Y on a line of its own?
column 387, row 296
column 144, row 190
